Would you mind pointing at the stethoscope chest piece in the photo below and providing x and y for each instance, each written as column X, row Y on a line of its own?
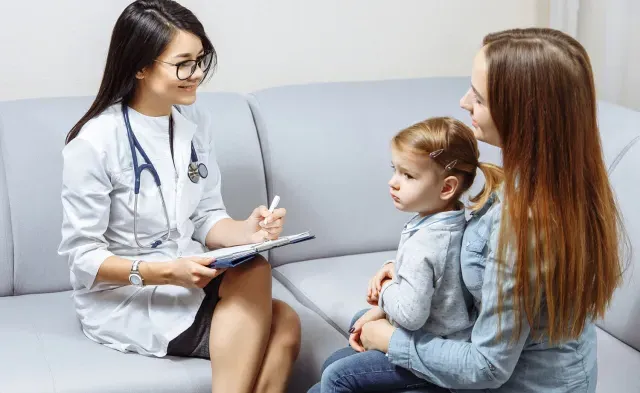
column 197, row 171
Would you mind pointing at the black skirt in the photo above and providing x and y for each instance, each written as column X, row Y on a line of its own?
column 194, row 342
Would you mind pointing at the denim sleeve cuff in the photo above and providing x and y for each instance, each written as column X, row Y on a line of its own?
column 381, row 294
column 399, row 345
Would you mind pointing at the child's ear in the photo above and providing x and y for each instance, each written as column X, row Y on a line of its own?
column 449, row 188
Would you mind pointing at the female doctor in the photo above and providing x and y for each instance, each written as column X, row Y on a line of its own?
column 141, row 195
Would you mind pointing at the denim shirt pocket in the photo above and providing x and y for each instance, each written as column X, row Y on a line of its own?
column 474, row 254
column 477, row 246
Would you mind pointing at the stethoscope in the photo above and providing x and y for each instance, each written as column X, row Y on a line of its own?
column 195, row 171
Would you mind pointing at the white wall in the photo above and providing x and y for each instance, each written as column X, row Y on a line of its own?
column 58, row 48
column 610, row 33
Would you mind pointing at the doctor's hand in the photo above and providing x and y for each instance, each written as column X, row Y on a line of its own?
column 192, row 272
column 263, row 225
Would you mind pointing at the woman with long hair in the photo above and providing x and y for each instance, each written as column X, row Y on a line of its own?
column 542, row 257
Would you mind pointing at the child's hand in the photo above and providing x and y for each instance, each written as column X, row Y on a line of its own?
column 387, row 272
column 374, row 314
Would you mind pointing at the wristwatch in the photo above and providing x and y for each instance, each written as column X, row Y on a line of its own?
column 134, row 275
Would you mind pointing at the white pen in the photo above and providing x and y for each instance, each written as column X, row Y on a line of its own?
column 273, row 206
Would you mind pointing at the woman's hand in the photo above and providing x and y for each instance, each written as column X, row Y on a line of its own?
column 376, row 335
column 374, row 314
column 263, row 225
column 192, row 272
column 387, row 272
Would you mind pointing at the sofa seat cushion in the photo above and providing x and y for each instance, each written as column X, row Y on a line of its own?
column 618, row 365
column 44, row 350
column 336, row 287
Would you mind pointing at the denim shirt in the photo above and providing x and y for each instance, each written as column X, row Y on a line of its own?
column 528, row 365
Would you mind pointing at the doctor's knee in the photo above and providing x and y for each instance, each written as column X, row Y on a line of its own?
column 286, row 328
column 253, row 276
column 258, row 266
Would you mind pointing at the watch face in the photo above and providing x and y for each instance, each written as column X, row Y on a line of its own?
column 135, row 279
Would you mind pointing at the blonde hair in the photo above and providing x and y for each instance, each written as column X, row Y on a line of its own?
column 452, row 145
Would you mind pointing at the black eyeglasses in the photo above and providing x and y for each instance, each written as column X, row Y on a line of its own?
column 185, row 69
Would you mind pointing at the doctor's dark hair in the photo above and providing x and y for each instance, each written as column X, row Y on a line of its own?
column 140, row 35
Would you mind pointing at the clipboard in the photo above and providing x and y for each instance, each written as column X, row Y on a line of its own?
column 233, row 256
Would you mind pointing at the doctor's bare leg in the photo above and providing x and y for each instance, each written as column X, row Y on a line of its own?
column 282, row 350
column 241, row 327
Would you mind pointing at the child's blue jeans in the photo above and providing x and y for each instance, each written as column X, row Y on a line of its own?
column 348, row 371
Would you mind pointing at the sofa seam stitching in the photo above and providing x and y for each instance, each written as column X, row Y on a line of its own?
column 306, row 301
column 623, row 152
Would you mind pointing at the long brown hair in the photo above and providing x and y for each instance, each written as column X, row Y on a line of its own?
column 450, row 143
column 560, row 220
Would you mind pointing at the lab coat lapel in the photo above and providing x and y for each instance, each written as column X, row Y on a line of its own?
column 184, row 131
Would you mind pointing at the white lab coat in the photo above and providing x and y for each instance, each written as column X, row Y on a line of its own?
column 97, row 202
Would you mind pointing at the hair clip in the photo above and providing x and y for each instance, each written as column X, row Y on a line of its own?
column 451, row 165
column 436, row 153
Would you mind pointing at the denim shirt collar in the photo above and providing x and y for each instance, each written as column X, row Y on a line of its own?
column 417, row 222
column 495, row 196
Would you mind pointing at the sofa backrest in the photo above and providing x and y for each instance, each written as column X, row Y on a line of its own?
column 623, row 317
column 6, row 237
column 620, row 136
column 32, row 137
column 326, row 153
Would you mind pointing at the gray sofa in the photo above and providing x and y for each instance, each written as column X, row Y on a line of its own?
column 324, row 149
